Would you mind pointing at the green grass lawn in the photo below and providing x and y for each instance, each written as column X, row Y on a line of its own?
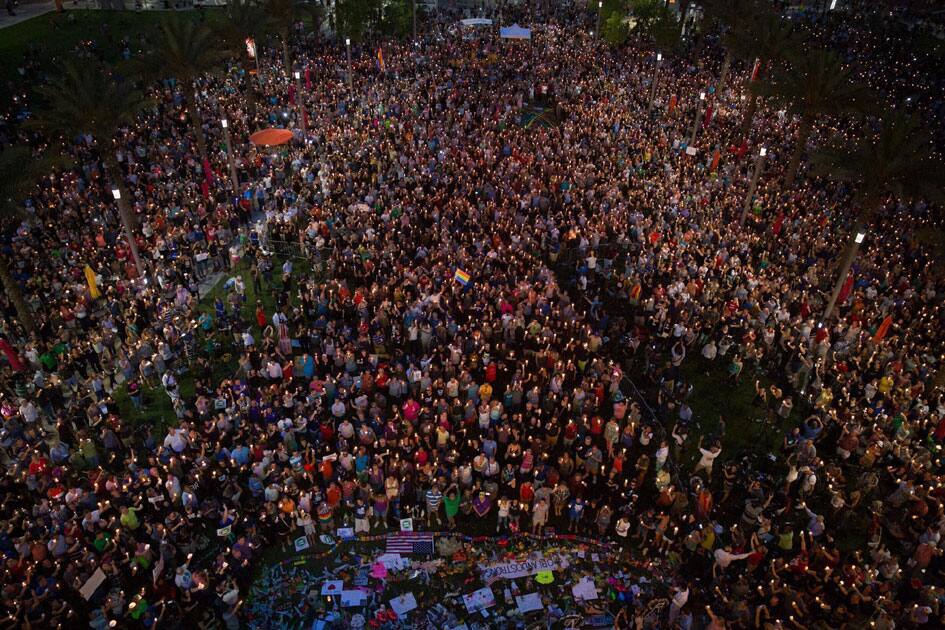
column 157, row 410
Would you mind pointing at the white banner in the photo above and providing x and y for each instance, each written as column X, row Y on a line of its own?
column 512, row 570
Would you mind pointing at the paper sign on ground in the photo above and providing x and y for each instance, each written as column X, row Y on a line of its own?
column 393, row 561
column 353, row 598
column 528, row 603
column 91, row 585
column 403, row 604
column 333, row 587
column 479, row 600
column 585, row 589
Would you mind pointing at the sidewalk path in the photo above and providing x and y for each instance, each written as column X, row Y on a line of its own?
column 25, row 11
column 33, row 8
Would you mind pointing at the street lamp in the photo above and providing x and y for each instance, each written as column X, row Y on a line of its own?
column 348, row 48
column 656, row 69
column 600, row 8
column 848, row 257
column 695, row 123
column 759, row 163
column 234, row 178
column 298, row 101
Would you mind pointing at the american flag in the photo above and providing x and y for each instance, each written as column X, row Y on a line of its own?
column 410, row 542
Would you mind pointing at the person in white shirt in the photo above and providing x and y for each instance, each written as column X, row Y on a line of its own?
column 28, row 411
column 680, row 597
column 725, row 557
column 623, row 529
column 707, row 460
column 176, row 440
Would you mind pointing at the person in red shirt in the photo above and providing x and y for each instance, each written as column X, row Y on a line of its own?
column 327, row 469
column 38, row 465
column 570, row 433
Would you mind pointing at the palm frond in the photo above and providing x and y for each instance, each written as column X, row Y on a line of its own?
column 893, row 157
column 815, row 83
column 185, row 50
column 86, row 99
column 21, row 167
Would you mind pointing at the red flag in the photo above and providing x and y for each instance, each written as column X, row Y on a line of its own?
column 883, row 329
column 756, row 70
column 715, row 161
column 776, row 228
column 205, row 189
column 708, row 116
column 308, row 79
column 672, row 104
column 292, row 94
column 12, row 357
column 845, row 289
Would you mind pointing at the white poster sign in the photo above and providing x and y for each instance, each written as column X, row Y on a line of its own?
column 512, row 570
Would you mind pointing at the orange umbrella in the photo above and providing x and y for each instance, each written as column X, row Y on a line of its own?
column 270, row 137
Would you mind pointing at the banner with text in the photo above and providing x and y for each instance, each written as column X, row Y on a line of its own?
column 512, row 570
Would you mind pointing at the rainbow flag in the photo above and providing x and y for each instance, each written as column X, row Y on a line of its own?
column 380, row 60
column 462, row 277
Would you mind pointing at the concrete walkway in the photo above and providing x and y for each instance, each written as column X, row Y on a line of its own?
column 31, row 8
column 25, row 11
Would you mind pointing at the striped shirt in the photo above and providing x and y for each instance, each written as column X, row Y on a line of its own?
column 434, row 498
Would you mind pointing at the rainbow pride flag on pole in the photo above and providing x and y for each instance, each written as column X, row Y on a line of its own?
column 462, row 277
column 380, row 60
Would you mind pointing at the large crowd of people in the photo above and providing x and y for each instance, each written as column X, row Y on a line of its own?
column 371, row 380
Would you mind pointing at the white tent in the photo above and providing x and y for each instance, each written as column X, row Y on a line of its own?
column 515, row 32
column 476, row 22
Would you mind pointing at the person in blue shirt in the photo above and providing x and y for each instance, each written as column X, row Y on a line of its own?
column 575, row 512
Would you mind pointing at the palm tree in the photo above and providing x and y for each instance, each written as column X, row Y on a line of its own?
column 353, row 18
column 770, row 39
column 20, row 169
column 735, row 20
column 814, row 84
column 186, row 51
column 245, row 19
column 285, row 14
column 893, row 161
column 88, row 99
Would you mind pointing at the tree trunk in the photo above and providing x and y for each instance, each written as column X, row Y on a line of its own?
column 726, row 64
column 803, row 135
column 252, row 97
column 128, row 221
column 15, row 294
column 196, row 121
column 848, row 257
column 749, row 115
column 286, row 54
